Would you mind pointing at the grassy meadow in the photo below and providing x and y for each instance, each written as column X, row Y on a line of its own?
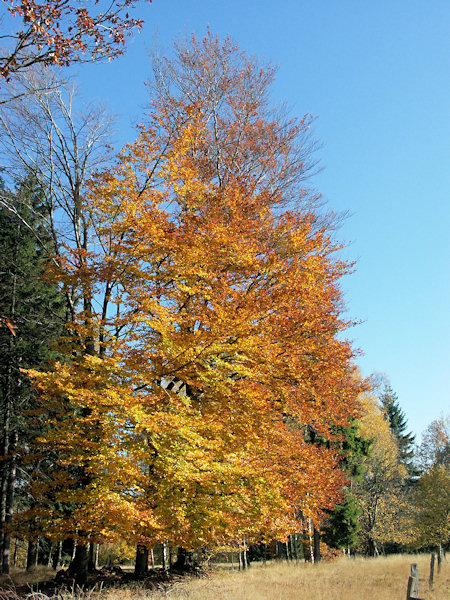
column 344, row 579
column 383, row 578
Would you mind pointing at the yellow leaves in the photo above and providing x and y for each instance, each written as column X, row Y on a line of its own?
column 431, row 499
column 222, row 297
column 381, row 492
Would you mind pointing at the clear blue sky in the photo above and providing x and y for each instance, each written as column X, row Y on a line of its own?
column 376, row 74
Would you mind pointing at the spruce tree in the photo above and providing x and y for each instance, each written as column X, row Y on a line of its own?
column 37, row 310
column 398, row 426
column 342, row 525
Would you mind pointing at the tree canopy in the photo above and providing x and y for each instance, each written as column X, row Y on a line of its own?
column 222, row 279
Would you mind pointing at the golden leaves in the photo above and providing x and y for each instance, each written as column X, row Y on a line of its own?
column 186, row 408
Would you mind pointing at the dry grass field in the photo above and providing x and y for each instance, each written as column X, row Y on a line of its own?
column 354, row 579
column 358, row 579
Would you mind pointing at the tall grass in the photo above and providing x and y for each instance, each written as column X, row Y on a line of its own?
column 354, row 579
column 345, row 579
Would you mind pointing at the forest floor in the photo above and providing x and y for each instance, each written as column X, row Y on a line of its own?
column 383, row 578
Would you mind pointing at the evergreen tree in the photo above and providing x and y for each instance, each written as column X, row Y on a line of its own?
column 398, row 426
column 37, row 310
column 342, row 526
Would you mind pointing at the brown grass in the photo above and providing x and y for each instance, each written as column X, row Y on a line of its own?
column 354, row 579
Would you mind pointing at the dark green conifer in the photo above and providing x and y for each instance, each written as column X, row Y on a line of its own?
column 342, row 525
column 398, row 426
column 37, row 310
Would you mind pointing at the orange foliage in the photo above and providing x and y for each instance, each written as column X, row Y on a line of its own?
column 59, row 32
column 222, row 288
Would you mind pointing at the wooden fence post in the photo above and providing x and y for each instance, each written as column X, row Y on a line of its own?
column 409, row 588
column 415, row 577
column 413, row 583
column 432, row 561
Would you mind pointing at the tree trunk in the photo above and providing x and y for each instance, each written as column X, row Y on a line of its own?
column 317, row 556
column 4, row 450
column 243, row 562
column 165, row 555
column 440, row 555
column 79, row 566
column 50, row 555
column 6, row 469
column 32, row 555
column 93, row 557
column 372, row 547
column 311, row 545
column 295, row 546
column 9, row 501
column 141, row 564
column 57, row 556
column 184, row 560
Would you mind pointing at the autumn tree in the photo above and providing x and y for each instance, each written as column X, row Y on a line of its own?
column 432, row 501
column 431, row 496
column 57, row 32
column 435, row 446
column 381, row 491
column 185, row 407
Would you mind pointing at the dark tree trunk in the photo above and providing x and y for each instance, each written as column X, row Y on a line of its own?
column 57, row 556
column 92, row 565
column 79, row 566
column 279, row 552
column 6, row 439
column 184, row 560
column 317, row 556
column 32, row 555
column 141, row 565
column 4, row 452
column 295, row 543
column 311, row 541
column 9, row 501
